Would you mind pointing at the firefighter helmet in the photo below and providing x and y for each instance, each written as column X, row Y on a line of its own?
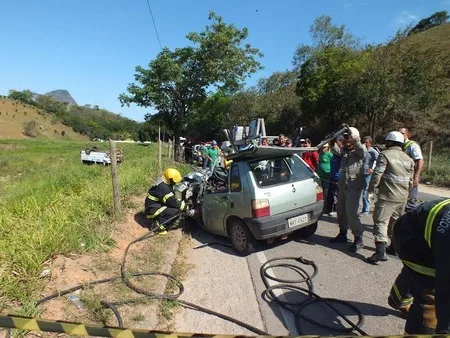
column 172, row 176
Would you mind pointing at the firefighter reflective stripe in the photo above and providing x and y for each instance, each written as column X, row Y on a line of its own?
column 423, row 270
column 153, row 198
column 167, row 196
column 430, row 219
column 407, row 145
column 157, row 212
column 182, row 205
column 399, row 296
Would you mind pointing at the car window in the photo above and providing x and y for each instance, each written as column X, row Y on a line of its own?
column 279, row 171
column 235, row 180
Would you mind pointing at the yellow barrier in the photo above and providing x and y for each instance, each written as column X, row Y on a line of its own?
column 79, row 329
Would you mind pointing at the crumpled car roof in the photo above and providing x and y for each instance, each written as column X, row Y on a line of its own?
column 254, row 152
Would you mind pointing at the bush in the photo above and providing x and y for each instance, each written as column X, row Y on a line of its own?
column 30, row 128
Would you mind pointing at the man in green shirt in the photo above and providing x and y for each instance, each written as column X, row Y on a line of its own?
column 323, row 169
column 212, row 154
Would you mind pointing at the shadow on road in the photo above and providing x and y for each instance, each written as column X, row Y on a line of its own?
column 324, row 315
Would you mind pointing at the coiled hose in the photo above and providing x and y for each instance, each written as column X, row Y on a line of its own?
column 298, row 307
column 126, row 278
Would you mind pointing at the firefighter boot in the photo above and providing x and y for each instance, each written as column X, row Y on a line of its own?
column 380, row 253
column 357, row 244
column 390, row 250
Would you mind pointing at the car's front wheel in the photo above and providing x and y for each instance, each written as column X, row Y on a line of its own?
column 307, row 230
column 241, row 238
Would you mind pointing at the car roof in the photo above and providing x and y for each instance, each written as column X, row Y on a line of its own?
column 254, row 152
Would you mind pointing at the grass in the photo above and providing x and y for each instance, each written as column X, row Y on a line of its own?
column 438, row 174
column 50, row 204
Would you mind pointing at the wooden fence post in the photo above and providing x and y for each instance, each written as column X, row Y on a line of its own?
column 159, row 149
column 115, row 178
column 429, row 156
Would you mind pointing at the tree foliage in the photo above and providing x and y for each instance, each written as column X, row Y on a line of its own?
column 24, row 96
column 176, row 82
column 433, row 20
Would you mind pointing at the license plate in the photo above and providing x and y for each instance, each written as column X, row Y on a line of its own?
column 292, row 222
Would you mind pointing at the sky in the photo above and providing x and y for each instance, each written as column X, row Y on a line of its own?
column 91, row 47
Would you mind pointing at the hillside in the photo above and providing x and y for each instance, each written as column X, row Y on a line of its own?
column 14, row 114
column 62, row 95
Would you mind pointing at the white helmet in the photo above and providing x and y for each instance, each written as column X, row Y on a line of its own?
column 395, row 136
column 354, row 131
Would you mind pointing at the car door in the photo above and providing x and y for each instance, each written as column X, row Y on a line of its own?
column 217, row 205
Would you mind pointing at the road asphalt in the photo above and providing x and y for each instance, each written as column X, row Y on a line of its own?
column 230, row 284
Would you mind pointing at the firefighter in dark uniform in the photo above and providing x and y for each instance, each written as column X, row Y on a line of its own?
column 422, row 289
column 161, row 204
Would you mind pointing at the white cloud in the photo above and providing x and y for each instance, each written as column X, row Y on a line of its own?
column 403, row 19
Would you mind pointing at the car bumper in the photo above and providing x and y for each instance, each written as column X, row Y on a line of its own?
column 277, row 225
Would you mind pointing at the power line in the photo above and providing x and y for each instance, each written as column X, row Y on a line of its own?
column 154, row 24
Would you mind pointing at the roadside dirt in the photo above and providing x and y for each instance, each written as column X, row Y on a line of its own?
column 153, row 254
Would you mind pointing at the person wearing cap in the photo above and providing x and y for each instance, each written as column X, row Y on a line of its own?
column 212, row 154
column 161, row 206
column 351, row 185
column 393, row 176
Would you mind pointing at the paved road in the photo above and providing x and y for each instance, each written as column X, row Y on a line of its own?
column 342, row 275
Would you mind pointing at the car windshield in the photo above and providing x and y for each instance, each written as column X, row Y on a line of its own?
column 279, row 170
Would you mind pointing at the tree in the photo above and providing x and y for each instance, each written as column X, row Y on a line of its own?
column 30, row 128
column 24, row 96
column 324, row 35
column 176, row 82
column 51, row 105
column 433, row 20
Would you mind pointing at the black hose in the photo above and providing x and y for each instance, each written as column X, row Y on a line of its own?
column 297, row 307
column 126, row 278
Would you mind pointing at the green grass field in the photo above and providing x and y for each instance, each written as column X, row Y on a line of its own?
column 50, row 203
column 439, row 173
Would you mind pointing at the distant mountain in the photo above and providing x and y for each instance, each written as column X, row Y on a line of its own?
column 62, row 95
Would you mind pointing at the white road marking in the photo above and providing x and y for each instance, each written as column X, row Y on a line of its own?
column 288, row 317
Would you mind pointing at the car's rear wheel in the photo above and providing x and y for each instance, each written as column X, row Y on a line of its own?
column 307, row 231
column 241, row 238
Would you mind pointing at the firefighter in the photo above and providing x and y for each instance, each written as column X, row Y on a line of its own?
column 351, row 185
column 161, row 204
column 393, row 175
column 422, row 289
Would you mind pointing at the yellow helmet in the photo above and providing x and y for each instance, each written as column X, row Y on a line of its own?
column 171, row 176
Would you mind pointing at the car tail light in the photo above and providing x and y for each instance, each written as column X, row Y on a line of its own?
column 260, row 208
column 319, row 194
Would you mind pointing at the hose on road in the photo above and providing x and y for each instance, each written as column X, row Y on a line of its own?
column 126, row 277
column 296, row 306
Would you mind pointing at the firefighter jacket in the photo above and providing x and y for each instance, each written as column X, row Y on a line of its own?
column 160, row 196
column 393, row 175
column 352, row 165
column 422, row 240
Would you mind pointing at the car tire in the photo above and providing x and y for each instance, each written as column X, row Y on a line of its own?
column 307, row 230
column 241, row 238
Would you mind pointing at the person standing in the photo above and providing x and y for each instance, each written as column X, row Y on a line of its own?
column 412, row 149
column 324, row 167
column 212, row 154
column 369, row 164
column 351, row 185
column 282, row 140
column 333, row 188
column 393, row 175
column 204, row 154
column 188, row 151
column 421, row 290
column 310, row 157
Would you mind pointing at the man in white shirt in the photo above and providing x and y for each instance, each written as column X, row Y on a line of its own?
column 412, row 149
